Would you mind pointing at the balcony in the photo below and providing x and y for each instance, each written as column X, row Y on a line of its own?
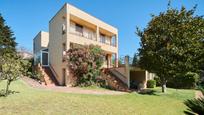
column 85, row 32
column 108, row 40
column 82, row 31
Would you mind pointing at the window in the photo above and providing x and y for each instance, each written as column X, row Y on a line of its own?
column 102, row 38
column 64, row 52
column 71, row 45
column 113, row 41
column 34, row 47
column 114, row 59
column 64, row 46
column 63, row 29
column 45, row 58
column 79, row 28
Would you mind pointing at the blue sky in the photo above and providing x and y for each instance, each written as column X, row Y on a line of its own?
column 27, row 17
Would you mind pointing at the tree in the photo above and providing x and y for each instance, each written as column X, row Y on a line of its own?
column 135, row 61
column 172, row 44
column 7, row 41
column 10, row 63
column 85, row 62
column 11, row 70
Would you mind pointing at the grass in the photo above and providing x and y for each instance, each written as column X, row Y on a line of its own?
column 95, row 88
column 38, row 102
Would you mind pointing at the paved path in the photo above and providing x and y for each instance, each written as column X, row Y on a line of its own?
column 198, row 94
column 77, row 90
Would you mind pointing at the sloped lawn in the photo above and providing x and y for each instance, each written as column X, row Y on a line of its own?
column 37, row 101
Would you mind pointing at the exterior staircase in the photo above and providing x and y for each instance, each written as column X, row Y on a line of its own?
column 116, row 80
column 49, row 77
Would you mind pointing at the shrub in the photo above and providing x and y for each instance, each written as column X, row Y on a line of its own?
column 151, row 84
column 85, row 63
column 187, row 81
column 37, row 75
column 27, row 66
column 195, row 106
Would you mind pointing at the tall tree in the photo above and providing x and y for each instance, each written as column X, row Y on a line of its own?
column 10, row 64
column 7, row 41
column 135, row 61
column 172, row 44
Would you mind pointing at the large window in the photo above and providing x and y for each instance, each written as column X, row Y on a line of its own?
column 113, row 41
column 79, row 28
column 102, row 38
column 34, row 47
column 64, row 46
column 63, row 29
column 45, row 58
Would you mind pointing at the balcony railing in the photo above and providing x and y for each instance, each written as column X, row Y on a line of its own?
column 105, row 39
column 85, row 34
column 90, row 35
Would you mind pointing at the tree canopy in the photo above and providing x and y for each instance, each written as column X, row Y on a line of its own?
column 172, row 44
column 10, row 63
column 135, row 61
column 7, row 41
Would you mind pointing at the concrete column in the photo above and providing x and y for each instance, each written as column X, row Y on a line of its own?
column 97, row 34
column 110, row 60
column 116, row 37
column 116, row 60
column 127, row 70
column 146, row 77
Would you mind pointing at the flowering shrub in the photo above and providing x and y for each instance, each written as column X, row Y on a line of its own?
column 85, row 62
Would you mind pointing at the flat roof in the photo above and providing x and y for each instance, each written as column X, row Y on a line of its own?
column 66, row 4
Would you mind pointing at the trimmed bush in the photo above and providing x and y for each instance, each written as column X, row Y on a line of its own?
column 151, row 83
column 187, row 81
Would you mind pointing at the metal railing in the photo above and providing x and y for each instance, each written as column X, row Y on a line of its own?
column 86, row 34
column 91, row 36
column 109, row 42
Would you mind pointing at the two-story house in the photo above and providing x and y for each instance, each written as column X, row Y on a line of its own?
column 68, row 28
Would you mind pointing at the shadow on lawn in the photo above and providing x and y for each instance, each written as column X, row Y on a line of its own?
column 3, row 92
column 147, row 92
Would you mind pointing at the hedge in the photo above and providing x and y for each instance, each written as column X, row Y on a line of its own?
column 151, row 83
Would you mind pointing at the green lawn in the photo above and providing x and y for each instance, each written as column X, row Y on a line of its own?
column 36, row 101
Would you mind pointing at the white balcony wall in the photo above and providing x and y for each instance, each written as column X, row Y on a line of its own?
column 105, row 39
column 72, row 27
column 87, row 33
column 108, row 40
